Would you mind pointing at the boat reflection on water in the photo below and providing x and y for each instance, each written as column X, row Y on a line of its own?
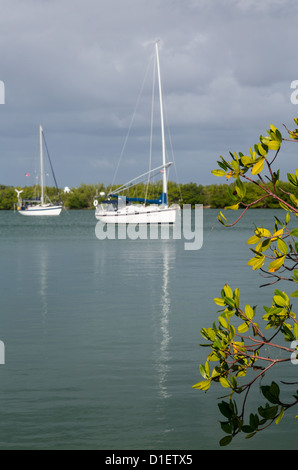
column 163, row 358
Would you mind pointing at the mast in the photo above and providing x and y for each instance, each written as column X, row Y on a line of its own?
column 165, row 189
column 41, row 167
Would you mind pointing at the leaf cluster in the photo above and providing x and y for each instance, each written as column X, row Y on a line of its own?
column 272, row 411
column 240, row 342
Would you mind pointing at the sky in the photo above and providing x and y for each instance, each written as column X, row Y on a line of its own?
column 77, row 68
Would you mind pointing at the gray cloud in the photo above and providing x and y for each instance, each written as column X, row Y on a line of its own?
column 77, row 67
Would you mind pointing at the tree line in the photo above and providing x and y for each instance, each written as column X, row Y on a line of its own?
column 82, row 197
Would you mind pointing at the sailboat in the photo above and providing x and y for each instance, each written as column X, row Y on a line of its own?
column 118, row 209
column 39, row 206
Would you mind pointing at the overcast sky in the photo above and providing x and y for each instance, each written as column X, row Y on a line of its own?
column 77, row 66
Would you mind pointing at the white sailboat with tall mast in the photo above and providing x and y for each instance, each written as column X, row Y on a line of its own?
column 39, row 206
column 123, row 210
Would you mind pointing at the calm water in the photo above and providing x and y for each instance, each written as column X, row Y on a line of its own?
column 102, row 336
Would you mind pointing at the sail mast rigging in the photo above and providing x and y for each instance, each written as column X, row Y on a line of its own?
column 162, row 126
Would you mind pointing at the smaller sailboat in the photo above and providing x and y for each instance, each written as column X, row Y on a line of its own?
column 39, row 206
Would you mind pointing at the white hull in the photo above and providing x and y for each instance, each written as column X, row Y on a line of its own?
column 41, row 211
column 138, row 215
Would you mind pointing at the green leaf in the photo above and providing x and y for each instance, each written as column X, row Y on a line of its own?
column 292, row 179
column 225, row 409
column 218, row 172
column 276, row 264
column 282, row 246
column 280, row 416
column 275, row 390
column 262, row 149
column 280, row 301
column 231, row 194
column 276, row 132
column 240, row 189
column 224, row 382
column 226, row 427
column 294, row 233
column 295, row 273
column 269, row 412
column 262, row 232
column 273, row 145
column 254, row 421
column 225, row 441
column 219, row 219
column 219, row 301
column 258, row 167
column 251, row 435
column 253, row 153
column 247, row 429
column 278, row 135
column 294, row 199
column 282, row 294
column 253, row 240
column 228, row 291
column 249, row 312
column 235, row 207
column 247, row 161
column 243, row 328
column 258, row 263
column 271, row 393
column 283, row 206
column 265, row 244
column 203, row 385
column 237, row 297
column 208, row 333
column 277, row 234
column 204, row 373
column 222, row 165
column 223, row 322
column 230, row 302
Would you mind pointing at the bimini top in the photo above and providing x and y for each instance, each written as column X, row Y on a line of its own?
column 162, row 199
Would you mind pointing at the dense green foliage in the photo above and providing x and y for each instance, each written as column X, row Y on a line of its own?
column 214, row 196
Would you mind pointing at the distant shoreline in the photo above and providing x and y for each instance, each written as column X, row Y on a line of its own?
column 214, row 196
